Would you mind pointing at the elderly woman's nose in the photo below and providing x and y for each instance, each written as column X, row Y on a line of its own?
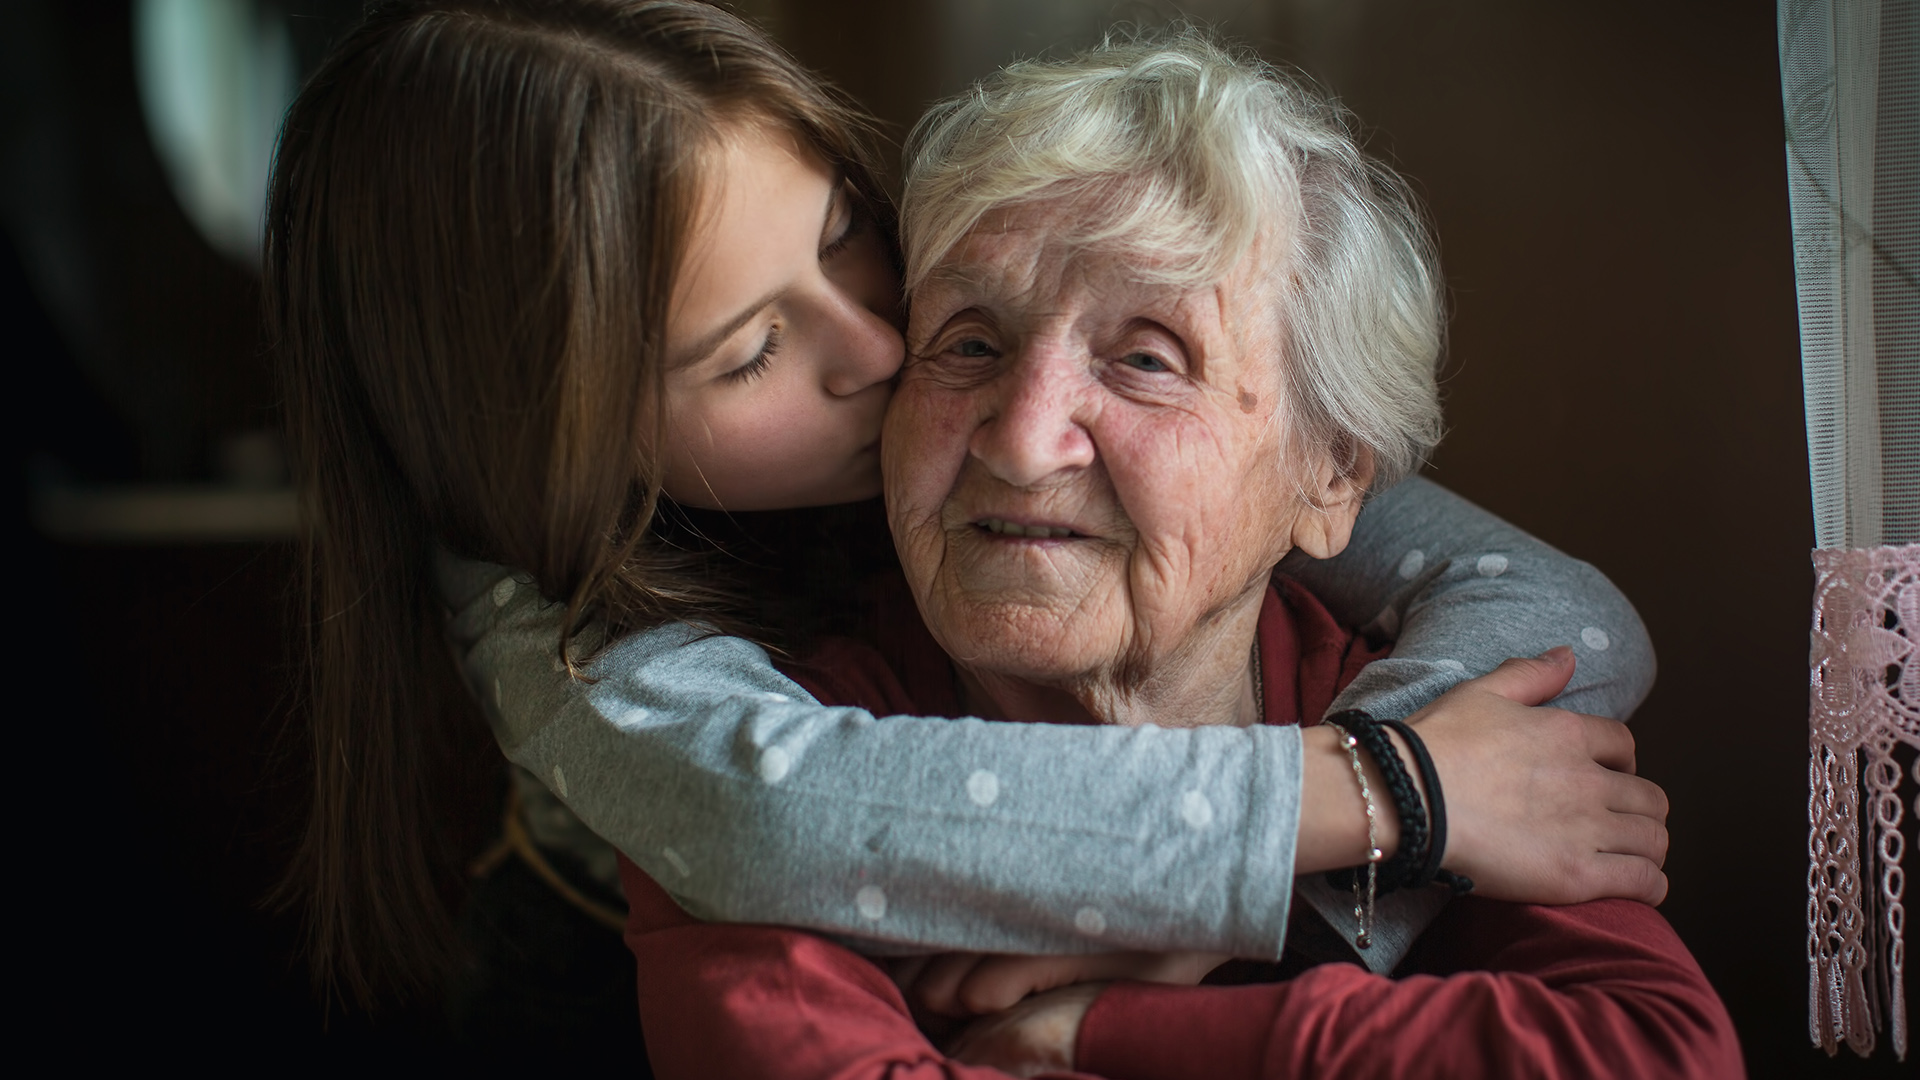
column 1034, row 427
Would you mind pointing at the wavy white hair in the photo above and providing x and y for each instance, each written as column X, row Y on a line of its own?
column 1194, row 157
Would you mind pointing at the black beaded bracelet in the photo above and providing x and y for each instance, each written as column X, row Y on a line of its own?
column 1408, row 858
column 1430, row 870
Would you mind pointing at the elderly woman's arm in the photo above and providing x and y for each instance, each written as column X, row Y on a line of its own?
column 1502, row 990
column 770, row 1003
column 1601, row 989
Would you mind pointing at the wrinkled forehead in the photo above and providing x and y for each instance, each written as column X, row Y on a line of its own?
column 1051, row 253
column 1014, row 250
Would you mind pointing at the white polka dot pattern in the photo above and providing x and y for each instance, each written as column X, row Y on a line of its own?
column 871, row 902
column 559, row 782
column 1596, row 638
column 679, row 864
column 774, row 763
column 1090, row 922
column 983, row 788
column 1491, row 565
column 1411, row 564
column 1195, row 810
column 503, row 591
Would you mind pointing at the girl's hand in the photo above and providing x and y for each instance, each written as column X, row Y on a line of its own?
column 1033, row 1037
column 969, row 984
column 1542, row 804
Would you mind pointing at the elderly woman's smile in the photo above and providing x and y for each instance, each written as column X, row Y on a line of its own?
column 1089, row 475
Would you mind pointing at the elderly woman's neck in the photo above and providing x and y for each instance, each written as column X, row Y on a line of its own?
column 1209, row 681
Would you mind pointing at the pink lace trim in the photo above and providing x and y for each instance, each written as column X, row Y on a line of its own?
column 1864, row 699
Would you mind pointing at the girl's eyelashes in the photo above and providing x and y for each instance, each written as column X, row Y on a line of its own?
column 761, row 361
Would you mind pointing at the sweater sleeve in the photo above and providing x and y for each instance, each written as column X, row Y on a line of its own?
column 770, row 1003
column 1458, row 591
column 1598, row 989
column 750, row 802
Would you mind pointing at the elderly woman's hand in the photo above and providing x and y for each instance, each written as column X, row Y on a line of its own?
column 1542, row 804
column 1036, row 1036
column 969, row 984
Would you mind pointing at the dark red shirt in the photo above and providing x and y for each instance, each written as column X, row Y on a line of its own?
column 1491, row 989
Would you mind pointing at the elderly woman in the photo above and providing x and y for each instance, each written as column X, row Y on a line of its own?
column 1168, row 327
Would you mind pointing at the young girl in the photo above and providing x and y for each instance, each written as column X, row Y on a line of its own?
column 545, row 273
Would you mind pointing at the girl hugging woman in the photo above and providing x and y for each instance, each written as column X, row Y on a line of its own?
column 571, row 296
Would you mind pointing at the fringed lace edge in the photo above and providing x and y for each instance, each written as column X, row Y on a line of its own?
column 1864, row 699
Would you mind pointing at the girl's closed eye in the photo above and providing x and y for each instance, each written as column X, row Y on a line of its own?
column 761, row 361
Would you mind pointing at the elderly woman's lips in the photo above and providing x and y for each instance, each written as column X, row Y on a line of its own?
column 1002, row 527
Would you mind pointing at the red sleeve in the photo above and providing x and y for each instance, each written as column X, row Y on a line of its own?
column 1598, row 989
column 768, row 1002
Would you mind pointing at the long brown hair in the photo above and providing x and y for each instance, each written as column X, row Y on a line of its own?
column 476, row 215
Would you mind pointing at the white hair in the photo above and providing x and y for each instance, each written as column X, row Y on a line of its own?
column 1192, row 157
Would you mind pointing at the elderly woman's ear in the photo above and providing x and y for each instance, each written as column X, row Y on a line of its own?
column 1333, row 494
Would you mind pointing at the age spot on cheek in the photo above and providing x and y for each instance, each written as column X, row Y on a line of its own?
column 1248, row 400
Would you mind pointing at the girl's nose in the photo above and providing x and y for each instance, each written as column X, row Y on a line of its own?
column 871, row 351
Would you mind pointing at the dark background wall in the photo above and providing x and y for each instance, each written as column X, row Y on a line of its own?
column 1609, row 187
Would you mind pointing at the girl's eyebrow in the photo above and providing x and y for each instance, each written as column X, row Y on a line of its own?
column 705, row 347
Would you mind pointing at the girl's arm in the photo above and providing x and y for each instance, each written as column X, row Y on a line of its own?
column 1458, row 591
column 752, row 803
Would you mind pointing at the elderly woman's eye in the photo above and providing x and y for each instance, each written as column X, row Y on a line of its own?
column 1144, row 362
column 973, row 348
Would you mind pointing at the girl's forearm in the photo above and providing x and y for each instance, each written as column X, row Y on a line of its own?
column 750, row 802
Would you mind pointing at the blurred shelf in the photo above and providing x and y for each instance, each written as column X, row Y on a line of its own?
column 183, row 514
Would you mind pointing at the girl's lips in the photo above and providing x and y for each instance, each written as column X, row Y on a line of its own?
column 1003, row 527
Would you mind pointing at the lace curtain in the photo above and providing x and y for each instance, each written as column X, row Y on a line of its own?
column 1850, row 72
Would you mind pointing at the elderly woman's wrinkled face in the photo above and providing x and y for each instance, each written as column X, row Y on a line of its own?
column 1084, row 472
